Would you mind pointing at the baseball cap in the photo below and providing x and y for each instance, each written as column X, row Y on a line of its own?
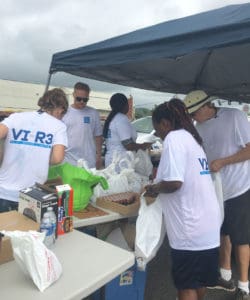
column 196, row 99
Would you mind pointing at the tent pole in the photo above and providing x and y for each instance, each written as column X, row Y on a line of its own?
column 48, row 82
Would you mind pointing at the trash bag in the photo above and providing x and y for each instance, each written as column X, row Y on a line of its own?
column 81, row 181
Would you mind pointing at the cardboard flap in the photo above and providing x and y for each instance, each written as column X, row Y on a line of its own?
column 10, row 221
column 13, row 220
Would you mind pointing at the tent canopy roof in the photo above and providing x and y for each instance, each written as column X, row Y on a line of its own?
column 209, row 50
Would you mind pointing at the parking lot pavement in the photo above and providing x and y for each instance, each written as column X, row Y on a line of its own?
column 159, row 284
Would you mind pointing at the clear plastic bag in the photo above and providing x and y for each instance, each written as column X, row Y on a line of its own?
column 143, row 164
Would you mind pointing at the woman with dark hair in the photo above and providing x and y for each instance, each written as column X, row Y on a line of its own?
column 32, row 141
column 190, row 207
column 119, row 134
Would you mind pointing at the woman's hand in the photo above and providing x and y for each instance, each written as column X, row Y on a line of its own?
column 151, row 190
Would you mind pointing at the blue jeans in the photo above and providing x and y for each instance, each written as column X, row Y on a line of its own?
column 6, row 205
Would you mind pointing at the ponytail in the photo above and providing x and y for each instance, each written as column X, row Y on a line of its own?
column 118, row 102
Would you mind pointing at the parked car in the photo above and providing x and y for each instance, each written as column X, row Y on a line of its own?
column 144, row 129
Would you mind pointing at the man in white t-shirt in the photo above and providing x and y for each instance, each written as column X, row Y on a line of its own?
column 226, row 137
column 84, row 130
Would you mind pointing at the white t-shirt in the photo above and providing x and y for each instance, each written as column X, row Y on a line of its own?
column 191, row 213
column 83, row 126
column 27, row 150
column 224, row 136
column 120, row 129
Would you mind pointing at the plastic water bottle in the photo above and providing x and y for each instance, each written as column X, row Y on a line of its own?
column 53, row 220
column 47, row 227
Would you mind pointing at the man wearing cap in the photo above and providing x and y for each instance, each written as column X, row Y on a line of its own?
column 226, row 139
column 84, row 129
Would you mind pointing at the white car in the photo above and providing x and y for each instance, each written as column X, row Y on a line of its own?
column 146, row 133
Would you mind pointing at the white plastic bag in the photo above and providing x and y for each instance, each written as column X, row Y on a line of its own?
column 150, row 231
column 219, row 192
column 34, row 258
column 143, row 163
column 121, row 175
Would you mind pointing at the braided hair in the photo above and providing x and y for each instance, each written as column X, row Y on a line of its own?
column 118, row 102
column 176, row 113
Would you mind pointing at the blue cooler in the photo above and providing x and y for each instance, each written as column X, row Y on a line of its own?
column 129, row 285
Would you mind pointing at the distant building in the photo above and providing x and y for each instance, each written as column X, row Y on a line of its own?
column 23, row 96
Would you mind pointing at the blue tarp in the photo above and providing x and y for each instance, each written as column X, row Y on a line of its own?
column 209, row 50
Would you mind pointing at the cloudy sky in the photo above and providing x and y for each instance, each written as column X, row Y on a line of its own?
column 33, row 30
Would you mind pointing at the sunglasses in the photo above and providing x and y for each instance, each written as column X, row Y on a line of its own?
column 84, row 99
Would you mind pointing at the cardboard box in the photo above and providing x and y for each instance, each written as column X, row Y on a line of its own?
column 65, row 208
column 52, row 183
column 13, row 221
column 64, row 193
column 34, row 201
column 110, row 202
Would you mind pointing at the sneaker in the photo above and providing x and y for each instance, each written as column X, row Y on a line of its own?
column 222, row 284
column 242, row 295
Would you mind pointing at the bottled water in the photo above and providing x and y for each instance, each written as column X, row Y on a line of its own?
column 47, row 227
column 53, row 220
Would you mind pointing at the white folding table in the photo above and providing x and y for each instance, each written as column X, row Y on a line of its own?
column 88, row 264
column 109, row 217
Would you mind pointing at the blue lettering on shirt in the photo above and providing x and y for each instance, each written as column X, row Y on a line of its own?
column 22, row 134
column 204, row 166
column 24, row 137
column 86, row 120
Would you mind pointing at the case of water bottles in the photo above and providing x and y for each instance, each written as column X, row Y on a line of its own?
column 41, row 205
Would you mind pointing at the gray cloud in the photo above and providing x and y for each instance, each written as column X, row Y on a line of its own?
column 31, row 31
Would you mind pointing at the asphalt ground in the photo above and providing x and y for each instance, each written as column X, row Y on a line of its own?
column 159, row 284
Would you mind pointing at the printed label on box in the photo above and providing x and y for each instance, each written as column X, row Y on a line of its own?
column 35, row 201
column 65, row 208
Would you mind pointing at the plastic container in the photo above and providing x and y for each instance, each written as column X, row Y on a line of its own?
column 129, row 285
column 81, row 181
column 47, row 227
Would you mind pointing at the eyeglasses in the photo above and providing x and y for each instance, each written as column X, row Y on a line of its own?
column 84, row 99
